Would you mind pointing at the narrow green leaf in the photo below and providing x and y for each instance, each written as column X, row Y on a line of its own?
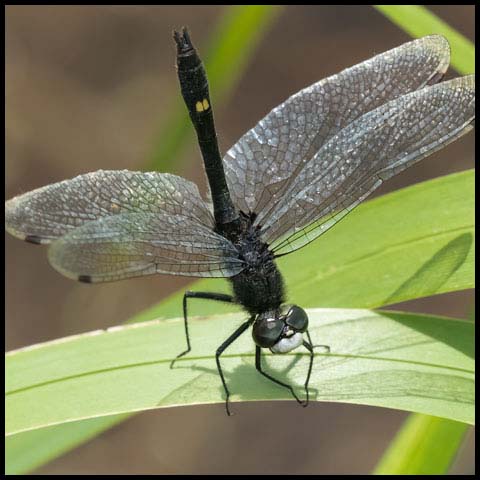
column 418, row 21
column 32, row 449
column 405, row 361
column 226, row 56
column 425, row 445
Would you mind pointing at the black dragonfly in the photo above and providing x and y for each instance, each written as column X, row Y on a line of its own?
column 289, row 179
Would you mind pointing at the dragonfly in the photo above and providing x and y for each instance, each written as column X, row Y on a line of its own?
column 288, row 180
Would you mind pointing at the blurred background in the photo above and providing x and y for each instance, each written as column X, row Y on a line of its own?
column 93, row 87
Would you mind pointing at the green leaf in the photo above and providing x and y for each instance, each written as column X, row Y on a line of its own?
column 230, row 47
column 29, row 450
column 405, row 361
column 424, row 446
column 418, row 21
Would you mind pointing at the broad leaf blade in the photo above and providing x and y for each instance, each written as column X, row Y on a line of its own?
column 405, row 361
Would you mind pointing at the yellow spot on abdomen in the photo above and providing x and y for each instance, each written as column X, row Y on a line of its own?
column 202, row 106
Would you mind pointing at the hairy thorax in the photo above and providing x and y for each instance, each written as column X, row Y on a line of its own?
column 259, row 287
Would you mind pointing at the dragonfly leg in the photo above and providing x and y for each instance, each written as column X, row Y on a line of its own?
column 220, row 297
column 258, row 366
column 309, row 347
column 220, row 350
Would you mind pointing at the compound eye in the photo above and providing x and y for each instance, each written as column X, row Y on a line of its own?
column 266, row 332
column 297, row 319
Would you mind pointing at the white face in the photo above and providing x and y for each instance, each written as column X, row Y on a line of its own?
column 288, row 344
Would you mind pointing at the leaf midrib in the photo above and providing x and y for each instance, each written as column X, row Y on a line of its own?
column 236, row 356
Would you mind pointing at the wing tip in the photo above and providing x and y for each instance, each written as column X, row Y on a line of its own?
column 17, row 224
column 82, row 278
column 33, row 239
column 440, row 46
column 437, row 41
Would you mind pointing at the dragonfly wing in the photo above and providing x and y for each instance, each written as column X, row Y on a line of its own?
column 137, row 244
column 264, row 162
column 48, row 213
column 370, row 150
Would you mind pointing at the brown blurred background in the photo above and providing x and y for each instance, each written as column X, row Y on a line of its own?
column 88, row 88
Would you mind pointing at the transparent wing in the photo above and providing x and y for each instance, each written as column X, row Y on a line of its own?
column 50, row 212
column 360, row 157
column 263, row 163
column 137, row 244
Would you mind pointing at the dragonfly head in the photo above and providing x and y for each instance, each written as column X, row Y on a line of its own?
column 281, row 330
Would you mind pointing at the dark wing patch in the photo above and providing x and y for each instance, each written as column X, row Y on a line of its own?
column 36, row 240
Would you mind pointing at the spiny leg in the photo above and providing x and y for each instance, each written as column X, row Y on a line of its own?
column 220, row 350
column 258, row 366
column 220, row 297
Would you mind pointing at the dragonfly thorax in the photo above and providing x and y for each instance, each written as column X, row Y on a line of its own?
column 259, row 286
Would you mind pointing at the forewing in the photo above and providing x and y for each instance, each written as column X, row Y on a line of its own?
column 137, row 244
column 264, row 162
column 50, row 212
column 360, row 157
